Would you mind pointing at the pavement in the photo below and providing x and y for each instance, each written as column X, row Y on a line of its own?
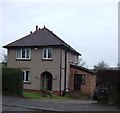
column 54, row 105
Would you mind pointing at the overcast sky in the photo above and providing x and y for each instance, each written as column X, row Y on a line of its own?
column 89, row 26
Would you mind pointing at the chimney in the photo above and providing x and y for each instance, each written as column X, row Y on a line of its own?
column 30, row 32
column 37, row 28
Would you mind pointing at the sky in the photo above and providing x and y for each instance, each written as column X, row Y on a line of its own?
column 89, row 26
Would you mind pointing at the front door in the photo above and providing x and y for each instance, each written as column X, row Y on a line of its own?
column 46, row 81
column 77, row 82
column 49, row 82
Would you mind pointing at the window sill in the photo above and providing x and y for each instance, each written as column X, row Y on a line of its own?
column 47, row 59
column 26, row 82
column 23, row 59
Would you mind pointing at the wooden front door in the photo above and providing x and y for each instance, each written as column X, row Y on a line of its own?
column 77, row 82
column 46, row 81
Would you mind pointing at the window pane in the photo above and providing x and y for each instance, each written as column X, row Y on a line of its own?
column 27, row 76
column 18, row 54
column 23, row 73
column 49, row 53
column 44, row 53
column 23, row 53
column 83, row 79
column 76, row 59
column 28, row 53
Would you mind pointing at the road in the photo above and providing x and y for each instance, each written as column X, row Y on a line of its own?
column 14, row 108
column 54, row 106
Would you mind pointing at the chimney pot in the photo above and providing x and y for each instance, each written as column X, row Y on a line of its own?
column 36, row 28
column 30, row 32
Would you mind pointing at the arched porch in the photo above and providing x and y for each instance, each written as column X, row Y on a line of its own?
column 46, row 81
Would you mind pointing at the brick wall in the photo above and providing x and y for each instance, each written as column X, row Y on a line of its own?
column 90, row 81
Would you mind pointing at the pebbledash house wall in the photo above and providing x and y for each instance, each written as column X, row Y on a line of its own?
column 71, row 58
column 36, row 65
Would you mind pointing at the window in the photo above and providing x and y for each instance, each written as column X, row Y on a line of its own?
column 83, row 79
column 23, row 53
column 26, row 76
column 76, row 59
column 47, row 53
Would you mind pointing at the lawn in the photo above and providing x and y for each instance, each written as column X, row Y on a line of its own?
column 34, row 95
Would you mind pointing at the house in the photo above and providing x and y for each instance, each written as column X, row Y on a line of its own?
column 46, row 61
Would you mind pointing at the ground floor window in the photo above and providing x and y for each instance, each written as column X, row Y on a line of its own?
column 26, row 76
column 83, row 79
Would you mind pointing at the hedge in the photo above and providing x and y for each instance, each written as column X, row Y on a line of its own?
column 110, row 79
column 12, row 82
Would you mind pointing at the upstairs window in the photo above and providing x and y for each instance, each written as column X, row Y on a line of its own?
column 23, row 53
column 26, row 76
column 47, row 53
column 76, row 59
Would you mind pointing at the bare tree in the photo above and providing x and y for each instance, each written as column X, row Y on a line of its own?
column 81, row 62
column 3, row 58
column 101, row 66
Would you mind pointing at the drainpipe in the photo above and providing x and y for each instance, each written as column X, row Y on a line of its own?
column 65, row 72
column 60, row 71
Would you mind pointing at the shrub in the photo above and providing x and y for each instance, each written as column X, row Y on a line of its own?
column 12, row 81
column 110, row 80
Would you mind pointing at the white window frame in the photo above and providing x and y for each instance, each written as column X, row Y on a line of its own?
column 47, row 55
column 25, row 76
column 76, row 59
column 20, row 50
column 83, row 79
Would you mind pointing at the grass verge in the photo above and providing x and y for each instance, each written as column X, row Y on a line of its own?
column 34, row 95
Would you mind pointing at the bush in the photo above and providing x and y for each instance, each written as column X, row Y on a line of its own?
column 110, row 80
column 12, row 81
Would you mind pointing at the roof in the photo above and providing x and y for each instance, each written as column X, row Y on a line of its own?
column 82, row 68
column 39, row 38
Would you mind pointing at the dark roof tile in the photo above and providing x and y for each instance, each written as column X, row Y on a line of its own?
column 41, row 37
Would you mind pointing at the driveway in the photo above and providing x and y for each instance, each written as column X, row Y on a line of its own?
column 55, row 105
